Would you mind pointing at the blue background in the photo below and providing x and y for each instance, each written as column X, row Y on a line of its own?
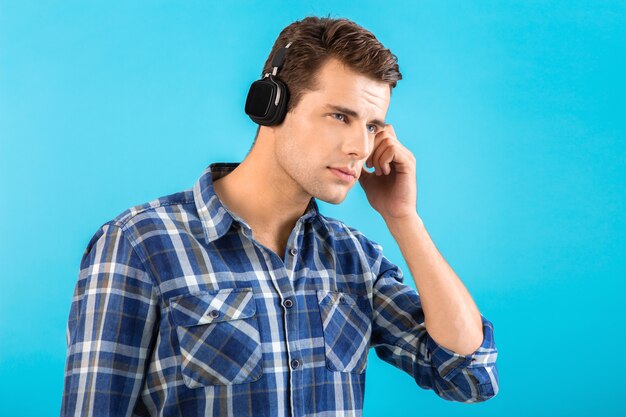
column 515, row 112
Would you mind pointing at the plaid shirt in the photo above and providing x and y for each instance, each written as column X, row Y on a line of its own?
column 178, row 311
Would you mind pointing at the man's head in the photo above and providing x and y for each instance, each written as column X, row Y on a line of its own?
column 340, row 79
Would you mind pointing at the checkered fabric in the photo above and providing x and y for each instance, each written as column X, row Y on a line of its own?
column 179, row 311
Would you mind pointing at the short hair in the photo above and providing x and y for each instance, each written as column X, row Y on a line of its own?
column 315, row 40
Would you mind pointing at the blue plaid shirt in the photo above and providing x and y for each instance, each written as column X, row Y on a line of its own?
column 178, row 311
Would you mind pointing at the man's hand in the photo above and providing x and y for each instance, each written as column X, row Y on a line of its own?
column 451, row 316
column 392, row 189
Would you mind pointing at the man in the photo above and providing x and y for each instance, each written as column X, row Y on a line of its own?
column 237, row 297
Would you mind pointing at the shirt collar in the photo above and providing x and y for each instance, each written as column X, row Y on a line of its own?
column 216, row 218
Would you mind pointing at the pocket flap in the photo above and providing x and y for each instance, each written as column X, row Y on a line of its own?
column 332, row 297
column 213, row 306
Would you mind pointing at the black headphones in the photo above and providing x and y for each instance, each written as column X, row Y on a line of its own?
column 268, row 97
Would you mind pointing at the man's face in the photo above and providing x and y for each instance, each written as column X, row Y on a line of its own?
column 320, row 132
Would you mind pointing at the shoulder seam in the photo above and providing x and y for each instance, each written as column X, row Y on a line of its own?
column 125, row 219
column 134, row 246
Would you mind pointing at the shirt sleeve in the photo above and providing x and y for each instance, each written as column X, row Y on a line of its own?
column 111, row 329
column 400, row 338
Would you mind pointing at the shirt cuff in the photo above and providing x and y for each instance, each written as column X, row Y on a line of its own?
column 449, row 363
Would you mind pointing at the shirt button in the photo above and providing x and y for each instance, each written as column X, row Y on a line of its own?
column 295, row 364
column 293, row 251
column 288, row 303
column 214, row 314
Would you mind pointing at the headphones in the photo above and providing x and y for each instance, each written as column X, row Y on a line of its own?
column 267, row 99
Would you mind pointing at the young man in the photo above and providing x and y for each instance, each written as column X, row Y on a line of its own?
column 237, row 297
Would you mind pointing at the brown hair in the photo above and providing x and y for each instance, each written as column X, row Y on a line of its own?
column 315, row 39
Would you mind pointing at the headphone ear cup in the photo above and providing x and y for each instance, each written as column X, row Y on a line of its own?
column 281, row 109
column 267, row 100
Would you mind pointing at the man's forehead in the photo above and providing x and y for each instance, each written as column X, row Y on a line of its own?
column 341, row 89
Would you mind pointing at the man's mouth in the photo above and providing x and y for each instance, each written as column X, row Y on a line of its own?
column 343, row 173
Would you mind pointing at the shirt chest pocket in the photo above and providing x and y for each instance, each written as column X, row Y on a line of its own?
column 219, row 338
column 347, row 325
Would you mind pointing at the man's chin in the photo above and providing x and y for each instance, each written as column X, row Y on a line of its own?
column 335, row 199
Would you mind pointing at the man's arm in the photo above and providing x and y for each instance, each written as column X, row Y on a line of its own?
column 400, row 338
column 430, row 352
column 452, row 318
column 110, row 331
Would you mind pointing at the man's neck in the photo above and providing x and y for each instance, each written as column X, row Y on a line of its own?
column 261, row 193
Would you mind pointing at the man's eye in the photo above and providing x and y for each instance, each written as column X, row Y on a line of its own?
column 340, row 115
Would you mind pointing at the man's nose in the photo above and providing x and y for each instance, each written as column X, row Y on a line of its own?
column 359, row 143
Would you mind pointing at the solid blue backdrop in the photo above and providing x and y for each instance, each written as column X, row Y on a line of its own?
column 513, row 110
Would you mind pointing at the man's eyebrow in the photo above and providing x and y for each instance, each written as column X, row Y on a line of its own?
column 353, row 113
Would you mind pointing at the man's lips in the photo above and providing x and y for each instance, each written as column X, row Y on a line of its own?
column 340, row 173
column 345, row 170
